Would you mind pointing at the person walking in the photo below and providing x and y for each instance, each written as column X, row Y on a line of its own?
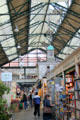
column 47, row 112
column 25, row 100
column 36, row 101
column 30, row 98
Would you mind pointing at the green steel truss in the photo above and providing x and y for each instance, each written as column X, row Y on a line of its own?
column 28, row 39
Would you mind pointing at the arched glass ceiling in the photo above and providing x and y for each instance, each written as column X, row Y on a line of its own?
column 5, row 40
column 72, row 45
column 46, row 19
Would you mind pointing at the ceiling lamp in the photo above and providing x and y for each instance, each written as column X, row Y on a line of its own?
column 16, row 29
column 18, row 46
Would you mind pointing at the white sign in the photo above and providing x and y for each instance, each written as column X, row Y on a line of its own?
column 6, row 76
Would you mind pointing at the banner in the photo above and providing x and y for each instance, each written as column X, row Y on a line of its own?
column 6, row 76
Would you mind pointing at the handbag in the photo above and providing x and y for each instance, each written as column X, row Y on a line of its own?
column 47, row 109
column 20, row 106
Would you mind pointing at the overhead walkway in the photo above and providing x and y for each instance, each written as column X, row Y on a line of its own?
column 26, row 80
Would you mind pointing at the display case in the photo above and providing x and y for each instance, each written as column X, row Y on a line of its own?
column 60, row 101
column 77, row 98
column 70, row 98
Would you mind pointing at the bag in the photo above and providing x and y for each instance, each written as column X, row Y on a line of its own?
column 20, row 106
column 47, row 109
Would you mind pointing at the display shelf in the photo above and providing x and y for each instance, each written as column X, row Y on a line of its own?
column 77, row 98
column 71, row 92
column 68, row 82
column 77, row 104
column 77, row 85
column 77, row 114
column 77, row 109
column 70, row 106
column 77, row 90
column 76, row 79
column 60, row 99
column 70, row 98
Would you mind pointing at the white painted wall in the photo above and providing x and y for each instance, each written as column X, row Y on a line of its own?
column 43, row 65
column 43, row 68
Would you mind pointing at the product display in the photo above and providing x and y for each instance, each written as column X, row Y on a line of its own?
column 60, row 98
column 77, row 114
column 77, row 84
column 77, row 98
column 70, row 97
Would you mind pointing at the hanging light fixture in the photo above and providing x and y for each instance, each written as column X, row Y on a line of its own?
column 16, row 29
column 18, row 46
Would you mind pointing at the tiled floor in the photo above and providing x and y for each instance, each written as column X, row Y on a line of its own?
column 26, row 115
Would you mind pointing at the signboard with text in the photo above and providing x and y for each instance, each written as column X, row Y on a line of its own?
column 6, row 76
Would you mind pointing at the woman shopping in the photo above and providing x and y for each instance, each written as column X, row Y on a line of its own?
column 47, row 111
column 25, row 100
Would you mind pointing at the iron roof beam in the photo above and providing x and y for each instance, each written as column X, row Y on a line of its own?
column 58, row 5
column 73, row 46
column 36, row 27
column 26, row 12
column 67, row 32
column 44, row 18
column 8, row 3
column 68, row 40
column 64, row 53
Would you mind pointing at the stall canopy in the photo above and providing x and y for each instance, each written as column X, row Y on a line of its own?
column 26, row 25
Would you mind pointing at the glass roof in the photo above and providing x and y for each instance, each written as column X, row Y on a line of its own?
column 47, row 19
column 72, row 45
column 5, row 28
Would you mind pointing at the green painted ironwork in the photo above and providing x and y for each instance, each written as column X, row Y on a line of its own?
column 44, row 19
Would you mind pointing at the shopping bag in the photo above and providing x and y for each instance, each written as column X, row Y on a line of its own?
column 47, row 109
column 20, row 106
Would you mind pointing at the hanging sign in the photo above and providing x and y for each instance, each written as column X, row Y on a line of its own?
column 52, row 83
column 6, row 76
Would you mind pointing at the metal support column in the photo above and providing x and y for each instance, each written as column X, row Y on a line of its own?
column 76, row 70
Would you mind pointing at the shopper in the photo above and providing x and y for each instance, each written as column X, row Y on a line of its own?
column 25, row 100
column 36, row 101
column 30, row 98
column 47, row 111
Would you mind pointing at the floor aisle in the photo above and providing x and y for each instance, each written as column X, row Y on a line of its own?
column 26, row 115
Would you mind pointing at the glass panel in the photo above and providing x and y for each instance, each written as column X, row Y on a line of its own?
column 12, row 57
column 73, row 44
column 27, row 60
column 7, row 41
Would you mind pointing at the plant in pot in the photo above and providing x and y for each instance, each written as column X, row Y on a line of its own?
column 4, row 112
